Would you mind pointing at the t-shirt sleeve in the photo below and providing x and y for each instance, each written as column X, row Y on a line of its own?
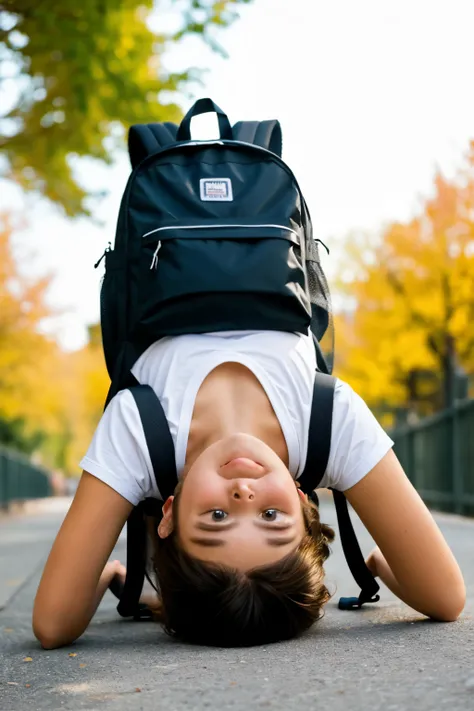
column 118, row 454
column 358, row 441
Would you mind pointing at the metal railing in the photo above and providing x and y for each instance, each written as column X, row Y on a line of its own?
column 20, row 479
column 438, row 456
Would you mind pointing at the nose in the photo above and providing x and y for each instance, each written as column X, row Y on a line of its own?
column 242, row 489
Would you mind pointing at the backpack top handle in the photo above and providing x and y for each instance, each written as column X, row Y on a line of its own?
column 204, row 106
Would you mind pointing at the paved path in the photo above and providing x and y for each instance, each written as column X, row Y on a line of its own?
column 383, row 658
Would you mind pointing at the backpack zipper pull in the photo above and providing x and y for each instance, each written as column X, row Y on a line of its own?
column 321, row 242
column 154, row 261
column 107, row 249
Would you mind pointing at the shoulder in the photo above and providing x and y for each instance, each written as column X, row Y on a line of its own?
column 123, row 400
column 343, row 392
column 348, row 403
column 118, row 454
column 123, row 406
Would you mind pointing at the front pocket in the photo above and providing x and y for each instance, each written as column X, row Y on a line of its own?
column 247, row 275
column 225, row 232
column 237, row 257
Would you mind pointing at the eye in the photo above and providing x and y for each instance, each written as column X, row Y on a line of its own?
column 218, row 515
column 270, row 514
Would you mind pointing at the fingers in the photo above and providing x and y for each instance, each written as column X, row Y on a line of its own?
column 121, row 571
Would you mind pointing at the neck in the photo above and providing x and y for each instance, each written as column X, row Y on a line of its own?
column 231, row 400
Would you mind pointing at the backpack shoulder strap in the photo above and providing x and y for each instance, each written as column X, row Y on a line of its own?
column 145, row 139
column 319, row 446
column 161, row 449
column 136, row 565
column 354, row 558
column 266, row 134
column 158, row 438
column 319, row 438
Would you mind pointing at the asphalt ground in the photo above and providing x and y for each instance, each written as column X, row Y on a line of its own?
column 384, row 657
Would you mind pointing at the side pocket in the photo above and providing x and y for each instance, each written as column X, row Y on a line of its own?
column 322, row 323
column 112, row 309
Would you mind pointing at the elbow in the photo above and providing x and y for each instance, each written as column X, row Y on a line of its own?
column 49, row 634
column 450, row 608
column 47, row 637
column 450, row 612
column 55, row 625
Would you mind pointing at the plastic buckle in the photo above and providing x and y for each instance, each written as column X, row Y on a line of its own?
column 355, row 603
column 143, row 613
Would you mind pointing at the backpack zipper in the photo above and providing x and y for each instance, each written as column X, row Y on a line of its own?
column 154, row 261
column 212, row 227
column 107, row 249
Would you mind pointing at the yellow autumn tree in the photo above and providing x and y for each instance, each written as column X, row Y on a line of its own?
column 29, row 388
column 87, row 389
column 408, row 325
column 50, row 400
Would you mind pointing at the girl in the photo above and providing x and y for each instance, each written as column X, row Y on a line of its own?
column 239, row 550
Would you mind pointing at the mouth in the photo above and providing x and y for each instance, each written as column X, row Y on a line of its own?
column 242, row 459
column 243, row 466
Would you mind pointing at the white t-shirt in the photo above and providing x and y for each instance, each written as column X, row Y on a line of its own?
column 284, row 363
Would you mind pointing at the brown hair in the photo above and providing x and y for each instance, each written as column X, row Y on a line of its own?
column 212, row 604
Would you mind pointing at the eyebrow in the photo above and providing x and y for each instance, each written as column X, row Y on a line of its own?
column 280, row 541
column 217, row 542
column 208, row 542
column 202, row 526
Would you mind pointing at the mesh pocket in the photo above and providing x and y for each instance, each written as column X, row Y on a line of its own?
column 112, row 310
column 322, row 323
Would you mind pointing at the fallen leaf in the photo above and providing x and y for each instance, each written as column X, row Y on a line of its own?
column 137, row 689
column 8, row 629
column 73, row 654
column 27, row 659
column 27, row 686
column 81, row 666
column 233, row 683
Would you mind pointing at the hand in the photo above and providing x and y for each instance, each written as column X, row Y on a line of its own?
column 373, row 561
column 112, row 568
column 115, row 569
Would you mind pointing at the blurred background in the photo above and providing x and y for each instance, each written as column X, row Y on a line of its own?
column 377, row 112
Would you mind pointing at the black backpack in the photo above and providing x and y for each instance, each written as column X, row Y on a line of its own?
column 214, row 236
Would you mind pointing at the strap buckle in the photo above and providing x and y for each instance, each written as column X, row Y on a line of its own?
column 355, row 603
column 143, row 613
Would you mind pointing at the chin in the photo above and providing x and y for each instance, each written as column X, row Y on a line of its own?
column 242, row 444
column 244, row 441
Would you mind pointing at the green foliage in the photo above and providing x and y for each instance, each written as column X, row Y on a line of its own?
column 14, row 436
column 82, row 72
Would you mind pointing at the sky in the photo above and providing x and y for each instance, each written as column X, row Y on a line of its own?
column 373, row 96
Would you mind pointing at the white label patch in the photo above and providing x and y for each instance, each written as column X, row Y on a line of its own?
column 216, row 189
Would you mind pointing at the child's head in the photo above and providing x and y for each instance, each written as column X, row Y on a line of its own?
column 240, row 550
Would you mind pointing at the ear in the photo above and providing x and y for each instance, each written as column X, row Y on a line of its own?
column 302, row 495
column 165, row 527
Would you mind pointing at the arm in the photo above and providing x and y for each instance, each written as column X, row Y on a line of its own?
column 412, row 557
column 75, row 577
